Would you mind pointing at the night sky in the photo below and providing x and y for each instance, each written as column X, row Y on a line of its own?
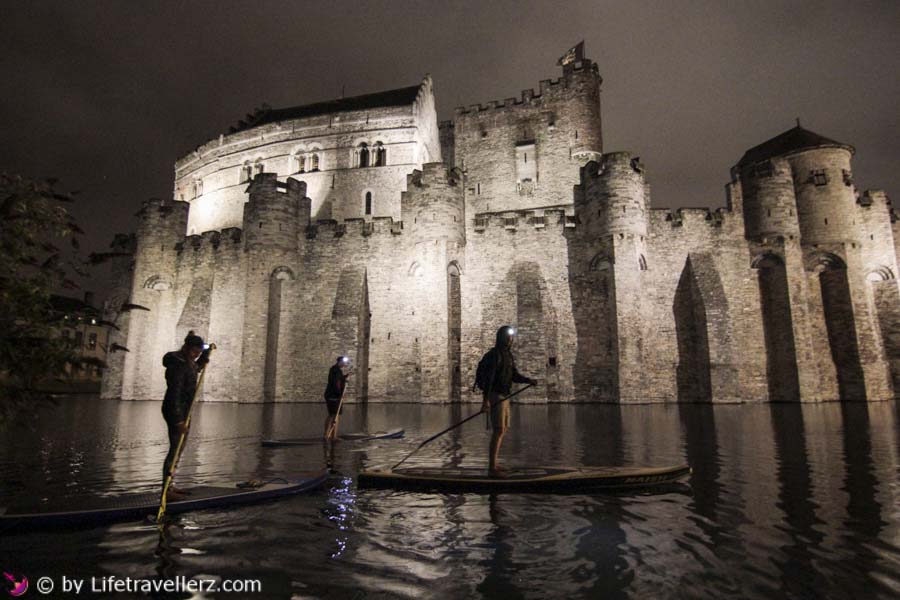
column 106, row 96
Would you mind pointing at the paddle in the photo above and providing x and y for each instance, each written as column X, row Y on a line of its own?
column 452, row 427
column 337, row 415
column 180, row 446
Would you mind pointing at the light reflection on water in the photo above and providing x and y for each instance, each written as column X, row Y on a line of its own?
column 784, row 501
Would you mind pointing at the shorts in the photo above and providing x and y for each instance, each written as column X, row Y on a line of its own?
column 499, row 412
column 333, row 404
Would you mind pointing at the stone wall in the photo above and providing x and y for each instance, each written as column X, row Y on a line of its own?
column 560, row 126
column 409, row 135
column 511, row 215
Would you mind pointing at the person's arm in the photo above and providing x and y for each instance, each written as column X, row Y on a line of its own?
column 519, row 378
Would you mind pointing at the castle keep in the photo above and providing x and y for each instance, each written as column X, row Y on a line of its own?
column 364, row 227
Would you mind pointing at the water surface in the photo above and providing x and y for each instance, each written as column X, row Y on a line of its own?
column 784, row 501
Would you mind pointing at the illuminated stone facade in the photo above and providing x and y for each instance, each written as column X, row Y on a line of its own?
column 364, row 227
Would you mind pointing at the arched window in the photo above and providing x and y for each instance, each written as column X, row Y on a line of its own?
column 314, row 162
column 198, row 188
column 380, row 154
column 301, row 163
column 246, row 172
column 368, row 203
column 363, row 153
column 258, row 167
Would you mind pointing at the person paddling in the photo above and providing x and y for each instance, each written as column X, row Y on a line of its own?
column 334, row 394
column 182, row 367
column 500, row 374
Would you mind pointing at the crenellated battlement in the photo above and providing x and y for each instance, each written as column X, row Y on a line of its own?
column 611, row 164
column 688, row 219
column 162, row 207
column 875, row 198
column 265, row 184
column 524, row 220
column 546, row 87
column 328, row 229
column 616, row 301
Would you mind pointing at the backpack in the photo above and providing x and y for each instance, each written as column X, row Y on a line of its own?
column 484, row 371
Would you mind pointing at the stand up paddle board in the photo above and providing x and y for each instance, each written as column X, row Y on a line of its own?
column 96, row 510
column 362, row 436
column 534, row 479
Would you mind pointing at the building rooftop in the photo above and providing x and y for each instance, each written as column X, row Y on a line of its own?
column 267, row 114
column 791, row 140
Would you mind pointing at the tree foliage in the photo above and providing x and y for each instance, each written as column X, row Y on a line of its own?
column 38, row 256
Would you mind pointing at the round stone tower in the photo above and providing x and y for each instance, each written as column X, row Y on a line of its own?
column 611, row 207
column 770, row 207
column 275, row 221
column 275, row 215
column 433, row 211
column 161, row 227
column 582, row 100
column 433, row 206
column 820, row 191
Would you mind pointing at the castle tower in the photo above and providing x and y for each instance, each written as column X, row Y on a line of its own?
column 826, row 203
column 611, row 207
column 880, row 264
column 152, row 333
column 434, row 216
column 524, row 153
column 275, row 221
column 844, row 338
column 582, row 108
column 122, row 262
column 772, row 226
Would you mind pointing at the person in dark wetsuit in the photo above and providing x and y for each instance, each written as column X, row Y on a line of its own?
column 334, row 391
column 182, row 367
column 502, row 373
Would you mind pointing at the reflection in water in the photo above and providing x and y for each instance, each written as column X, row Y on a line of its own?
column 603, row 543
column 795, row 499
column 499, row 582
column 784, row 501
column 863, row 522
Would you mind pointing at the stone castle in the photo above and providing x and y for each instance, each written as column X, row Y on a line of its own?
column 364, row 227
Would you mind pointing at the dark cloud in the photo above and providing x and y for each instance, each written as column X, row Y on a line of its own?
column 106, row 95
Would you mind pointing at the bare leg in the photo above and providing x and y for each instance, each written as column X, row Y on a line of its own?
column 496, row 441
column 328, row 420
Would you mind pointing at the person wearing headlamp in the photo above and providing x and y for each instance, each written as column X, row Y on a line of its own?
column 501, row 374
column 334, row 394
column 182, row 367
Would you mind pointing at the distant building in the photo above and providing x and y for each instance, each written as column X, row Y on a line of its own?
column 79, row 324
column 364, row 227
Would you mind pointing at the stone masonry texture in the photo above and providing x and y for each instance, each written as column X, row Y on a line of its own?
column 375, row 232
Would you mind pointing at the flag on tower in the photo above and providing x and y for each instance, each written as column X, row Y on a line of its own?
column 574, row 54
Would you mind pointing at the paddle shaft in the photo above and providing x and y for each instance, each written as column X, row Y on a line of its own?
column 464, row 421
column 337, row 415
column 180, row 446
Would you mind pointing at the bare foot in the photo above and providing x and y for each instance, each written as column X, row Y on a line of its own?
column 498, row 473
